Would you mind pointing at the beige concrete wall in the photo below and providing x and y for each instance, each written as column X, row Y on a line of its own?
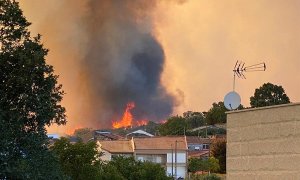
column 264, row 143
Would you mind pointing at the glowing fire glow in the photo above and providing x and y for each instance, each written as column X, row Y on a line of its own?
column 141, row 122
column 71, row 131
column 127, row 119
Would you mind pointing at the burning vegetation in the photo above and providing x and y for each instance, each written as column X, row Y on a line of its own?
column 127, row 118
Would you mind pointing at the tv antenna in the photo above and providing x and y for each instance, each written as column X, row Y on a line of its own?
column 232, row 100
column 240, row 68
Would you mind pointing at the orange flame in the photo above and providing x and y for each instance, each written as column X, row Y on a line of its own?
column 127, row 119
column 71, row 131
column 141, row 122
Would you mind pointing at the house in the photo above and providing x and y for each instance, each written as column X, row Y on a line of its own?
column 138, row 133
column 168, row 151
column 198, row 147
column 106, row 135
column 53, row 138
column 116, row 148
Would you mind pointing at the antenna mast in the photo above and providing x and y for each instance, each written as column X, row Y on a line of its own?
column 240, row 68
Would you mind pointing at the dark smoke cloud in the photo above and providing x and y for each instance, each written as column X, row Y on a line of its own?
column 124, row 62
column 107, row 55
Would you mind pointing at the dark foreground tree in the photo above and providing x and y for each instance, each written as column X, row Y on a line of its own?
column 79, row 160
column 29, row 100
column 216, row 113
column 218, row 150
column 269, row 94
column 127, row 168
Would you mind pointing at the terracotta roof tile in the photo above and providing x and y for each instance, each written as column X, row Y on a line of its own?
column 160, row 142
column 197, row 140
column 118, row 146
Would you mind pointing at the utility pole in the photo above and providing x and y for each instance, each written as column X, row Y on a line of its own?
column 172, row 160
column 176, row 159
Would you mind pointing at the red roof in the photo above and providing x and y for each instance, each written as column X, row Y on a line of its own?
column 160, row 142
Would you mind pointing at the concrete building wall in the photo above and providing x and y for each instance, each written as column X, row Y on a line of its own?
column 264, row 143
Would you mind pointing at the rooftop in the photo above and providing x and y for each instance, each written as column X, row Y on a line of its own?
column 262, row 108
column 160, row 143
column 197, row 140
column 117, row 146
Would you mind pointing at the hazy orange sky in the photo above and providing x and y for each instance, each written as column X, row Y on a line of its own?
column 202, row 40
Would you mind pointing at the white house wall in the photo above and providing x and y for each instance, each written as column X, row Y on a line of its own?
column 181, row 157
column 106, row 156
column 180, row 171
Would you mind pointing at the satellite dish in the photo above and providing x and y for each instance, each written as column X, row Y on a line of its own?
column 232, row 100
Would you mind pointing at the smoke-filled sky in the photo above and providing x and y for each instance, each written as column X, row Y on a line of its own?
column 167, row 56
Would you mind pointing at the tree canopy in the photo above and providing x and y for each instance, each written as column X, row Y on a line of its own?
column 79, row 160
column 210, row 164
column 82, row 161
column 174, row 126
column 269, row 94
column 218, row 150
column 30, row 99
column 216, row 113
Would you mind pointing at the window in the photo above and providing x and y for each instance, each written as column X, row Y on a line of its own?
column 140, row 159
column 205, row 146
column 158, row 159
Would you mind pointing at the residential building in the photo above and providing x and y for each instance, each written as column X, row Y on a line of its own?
column 198, row 147
column 106, row 135
column 116, row 148
column 264, row 143
column 138, row 134
column 168, row 151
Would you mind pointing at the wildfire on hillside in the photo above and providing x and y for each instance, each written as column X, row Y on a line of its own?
column 71, row 131
column 127, row 118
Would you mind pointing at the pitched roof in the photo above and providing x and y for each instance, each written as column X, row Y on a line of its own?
column 108, row 135
column 160, row 142
column 140, row 132
column 198, row 153
column 118, row 146
column 197, row 140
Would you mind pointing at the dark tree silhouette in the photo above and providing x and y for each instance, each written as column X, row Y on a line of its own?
column 29, row 100
column 269, row 94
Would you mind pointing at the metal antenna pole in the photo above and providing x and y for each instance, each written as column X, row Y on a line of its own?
column 233, row 81
column 240, row 68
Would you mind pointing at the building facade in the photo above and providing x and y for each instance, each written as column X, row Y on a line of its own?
column 264, row 143
column 169, row 152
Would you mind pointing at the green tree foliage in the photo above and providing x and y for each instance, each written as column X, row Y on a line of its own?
column 30, row 98
column 79, row 160
column 83, row 134
column 205, row 177
column 216, row 113
column 213, row 164
column 82, row 161
column 194, row 165
column 128, row 168
column 218, row 150
column 210, row 164
column 267, row 95
column 174, row 126
column 194, row 119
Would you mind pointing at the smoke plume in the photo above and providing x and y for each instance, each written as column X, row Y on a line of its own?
column 107, row 56
column 124, row 62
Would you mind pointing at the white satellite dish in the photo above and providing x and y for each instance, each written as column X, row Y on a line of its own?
column 232, row 100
